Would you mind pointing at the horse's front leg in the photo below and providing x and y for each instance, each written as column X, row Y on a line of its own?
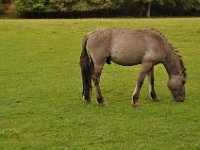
column 96, row 79
column 145, row 69
column 152, row 92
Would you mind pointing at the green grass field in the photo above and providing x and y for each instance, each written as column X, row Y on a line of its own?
column 41, row 106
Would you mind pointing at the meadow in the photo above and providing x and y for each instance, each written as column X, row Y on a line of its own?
column 41, row 106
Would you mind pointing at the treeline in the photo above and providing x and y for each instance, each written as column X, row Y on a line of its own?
column 106, row 8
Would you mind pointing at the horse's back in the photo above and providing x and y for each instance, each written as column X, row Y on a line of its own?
column 124, row 46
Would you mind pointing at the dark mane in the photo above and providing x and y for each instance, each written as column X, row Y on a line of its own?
column 182, row 67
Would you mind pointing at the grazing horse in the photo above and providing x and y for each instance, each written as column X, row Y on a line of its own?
column 127, row 47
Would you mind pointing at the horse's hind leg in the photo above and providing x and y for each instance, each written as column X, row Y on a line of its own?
column 151, row 85
column 146, row 67
column 96, row 79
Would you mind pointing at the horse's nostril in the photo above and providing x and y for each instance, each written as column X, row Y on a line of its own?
column 179, row 99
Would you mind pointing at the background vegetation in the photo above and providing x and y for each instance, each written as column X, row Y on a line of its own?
column 103, row 8
column 40, row 90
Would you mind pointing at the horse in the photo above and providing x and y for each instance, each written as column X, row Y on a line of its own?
column 128, row 47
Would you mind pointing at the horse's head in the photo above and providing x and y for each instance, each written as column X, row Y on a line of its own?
column 176, row 85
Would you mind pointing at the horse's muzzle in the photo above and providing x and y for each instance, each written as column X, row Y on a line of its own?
column 179, row 99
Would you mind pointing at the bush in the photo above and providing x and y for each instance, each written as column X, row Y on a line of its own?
column 105, row 8
column 2, row 9
column 30, row 5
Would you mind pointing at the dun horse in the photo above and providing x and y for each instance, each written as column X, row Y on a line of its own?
column 126, row 47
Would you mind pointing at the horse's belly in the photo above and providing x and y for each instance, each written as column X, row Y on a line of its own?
column 126, row 58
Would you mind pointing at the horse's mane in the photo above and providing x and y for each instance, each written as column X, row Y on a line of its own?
column 175, row 52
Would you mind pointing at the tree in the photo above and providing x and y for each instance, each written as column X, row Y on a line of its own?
column 197, row 6
column 63, row 5
column 145, row 5
column 187, row 5
column 149, row 3
column 30, row 5
column 170, row 5
column 121, row 7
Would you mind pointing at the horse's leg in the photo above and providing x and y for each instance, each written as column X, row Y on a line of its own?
column 96, row 79
column 145, row 69
column 151, row 85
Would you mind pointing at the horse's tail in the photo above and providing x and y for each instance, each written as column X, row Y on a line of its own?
column 87, row 66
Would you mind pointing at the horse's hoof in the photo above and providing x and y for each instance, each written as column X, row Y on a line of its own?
column 88, row 102
column 135, row 104
column 103, row 104
column 156, row 99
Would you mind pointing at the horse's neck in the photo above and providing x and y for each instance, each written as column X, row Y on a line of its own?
column 171, row 63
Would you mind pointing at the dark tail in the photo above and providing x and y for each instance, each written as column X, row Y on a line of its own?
column 87, row 66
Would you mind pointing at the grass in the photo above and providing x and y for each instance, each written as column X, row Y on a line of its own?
column 40, row 90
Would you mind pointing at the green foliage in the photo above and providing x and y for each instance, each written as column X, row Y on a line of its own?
column 189, row 4
column 87, row 5
column 62, row 5
column 30, row 5
column 41, row 106
column 2, row 9
column 78, row 5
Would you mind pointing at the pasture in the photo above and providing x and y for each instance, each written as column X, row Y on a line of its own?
column 41, row 106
